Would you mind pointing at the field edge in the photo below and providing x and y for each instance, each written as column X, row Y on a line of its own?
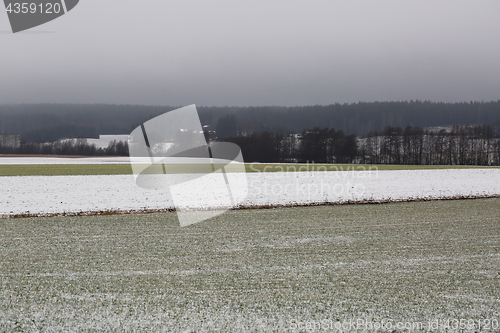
column 251, row 207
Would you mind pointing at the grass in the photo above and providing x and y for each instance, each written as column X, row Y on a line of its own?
column 252, row 270
column 64, row 169
column 124, row 169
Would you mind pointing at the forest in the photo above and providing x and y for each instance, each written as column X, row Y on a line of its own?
column 455, row 145
column 50, row 122
column 415, row 132
column 79, row 147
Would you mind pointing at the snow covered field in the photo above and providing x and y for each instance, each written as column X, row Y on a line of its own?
column 62, row 160
column 92, row 160
column 40, row 195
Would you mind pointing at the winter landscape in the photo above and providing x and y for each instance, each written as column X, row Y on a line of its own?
column 97, row 252
column 250, row 166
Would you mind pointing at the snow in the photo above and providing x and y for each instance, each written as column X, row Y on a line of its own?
column 40, row 195
column 62, row 160
column 102, row 160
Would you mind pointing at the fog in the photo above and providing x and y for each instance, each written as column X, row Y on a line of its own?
column 273, row 52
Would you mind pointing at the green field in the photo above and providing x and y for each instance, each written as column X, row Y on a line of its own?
column 253, row 270
column 125, row 169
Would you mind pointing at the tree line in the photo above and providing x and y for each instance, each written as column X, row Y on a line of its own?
column 453, row 145
column 456, row 145
column 67, row 147
column 318, row 145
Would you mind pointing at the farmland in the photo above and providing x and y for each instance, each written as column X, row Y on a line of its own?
column 253, row 270
column 85, row 167
column 96, row 194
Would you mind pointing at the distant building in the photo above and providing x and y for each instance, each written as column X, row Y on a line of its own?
column 11, row 141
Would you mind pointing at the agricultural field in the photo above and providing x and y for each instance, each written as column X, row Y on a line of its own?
column 66, row 166
column 95, row 194
column 125, row 169
column 77, row 252
column 277, row 270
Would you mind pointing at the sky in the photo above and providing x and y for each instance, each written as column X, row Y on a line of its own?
column 258, row 52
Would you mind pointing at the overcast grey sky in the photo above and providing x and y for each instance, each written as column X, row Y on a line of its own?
column 259, row 52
